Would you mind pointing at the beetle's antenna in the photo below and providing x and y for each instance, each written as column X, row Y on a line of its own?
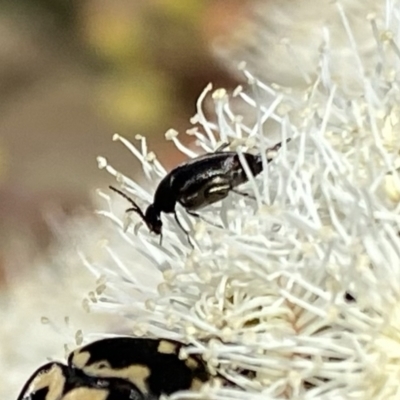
column 135, row 207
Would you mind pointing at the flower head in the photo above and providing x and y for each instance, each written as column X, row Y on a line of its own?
column 293, row 293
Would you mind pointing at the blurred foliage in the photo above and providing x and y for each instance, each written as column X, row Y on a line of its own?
column 147, row 48
column 3, row 160
column 59, row 14
column 149, row 57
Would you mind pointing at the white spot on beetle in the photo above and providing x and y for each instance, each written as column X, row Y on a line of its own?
column 166, row 347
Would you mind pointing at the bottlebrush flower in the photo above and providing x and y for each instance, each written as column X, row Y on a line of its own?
column 294, row 294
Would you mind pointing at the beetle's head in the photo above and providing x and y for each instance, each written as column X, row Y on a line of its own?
column 152, row 218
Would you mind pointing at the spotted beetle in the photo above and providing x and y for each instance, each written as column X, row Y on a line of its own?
column 197, row 183
column 120, row 368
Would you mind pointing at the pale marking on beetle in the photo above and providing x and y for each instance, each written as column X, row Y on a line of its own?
column 166, row 347
column 192, row 363
column 86, row 394
column 80, row 358
column 136, row 374
column 196, row 384
column 53, row 379
column 219, row 188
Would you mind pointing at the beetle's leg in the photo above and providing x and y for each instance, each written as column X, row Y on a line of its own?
column 194, row 214
column 184, row 230
column 243, row 194
column 275, row 148
column 221, row 147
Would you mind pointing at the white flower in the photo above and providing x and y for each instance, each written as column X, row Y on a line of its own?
column 286, row 42
column 294, row 294
column 272, row 290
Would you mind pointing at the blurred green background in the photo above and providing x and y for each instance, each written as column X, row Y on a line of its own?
column 72, row 73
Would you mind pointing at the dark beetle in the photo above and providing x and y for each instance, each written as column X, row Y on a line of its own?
column 197, row 183
column 120, row 368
